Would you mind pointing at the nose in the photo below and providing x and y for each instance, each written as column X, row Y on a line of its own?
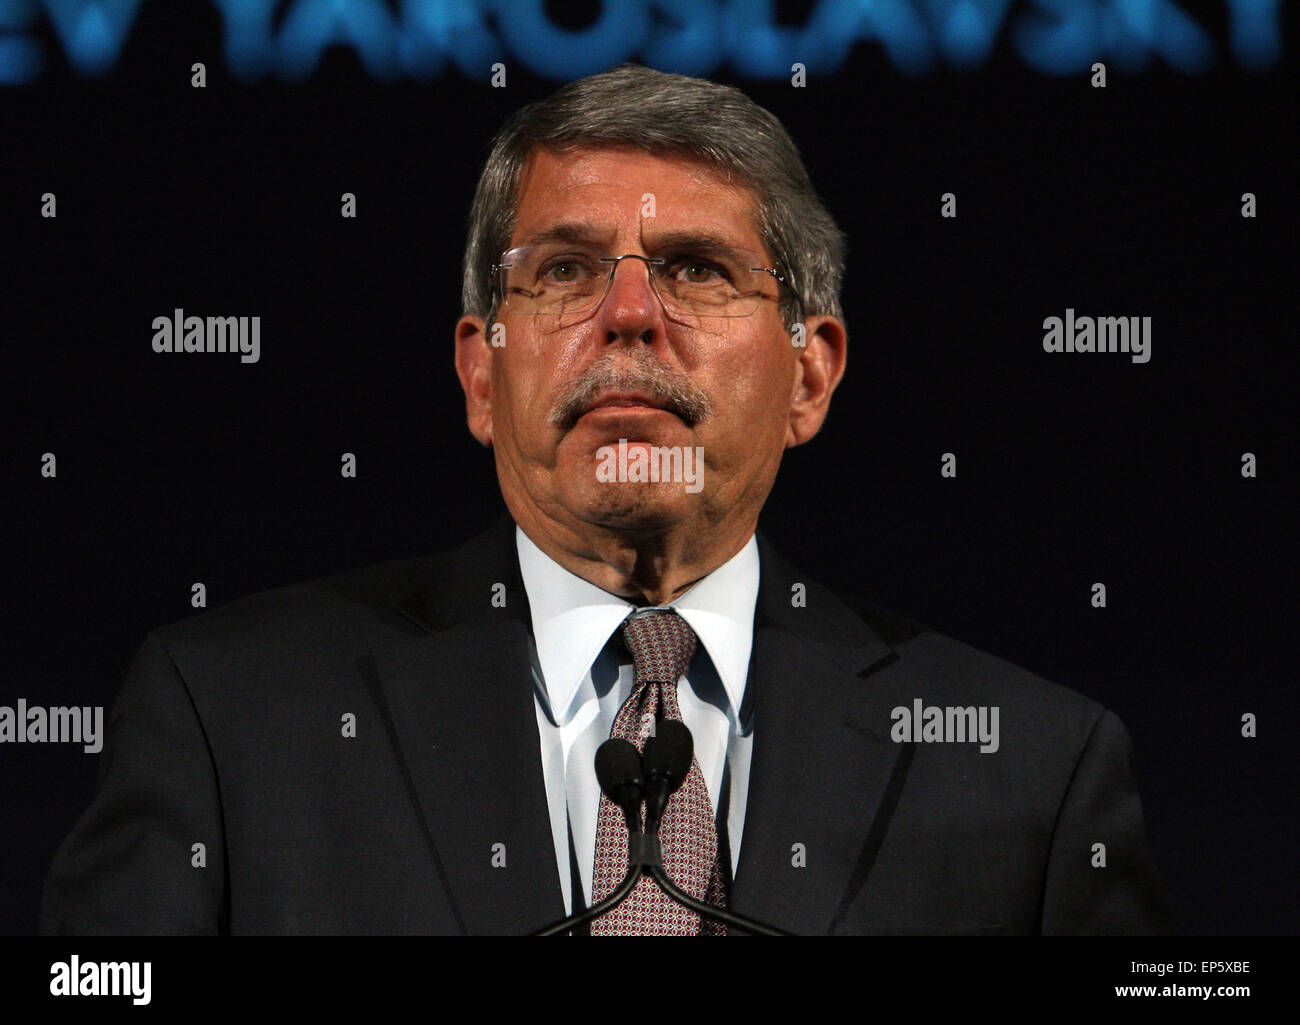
column 631, row 309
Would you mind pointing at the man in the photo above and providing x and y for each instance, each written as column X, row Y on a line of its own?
column 651, row 318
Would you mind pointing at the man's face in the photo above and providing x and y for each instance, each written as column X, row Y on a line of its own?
column 560, row 394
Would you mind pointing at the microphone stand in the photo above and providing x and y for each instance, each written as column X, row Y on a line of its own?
column 613, row 900
column 716, row 914
column 618, row 768
column 626, row 776
column 665, row 762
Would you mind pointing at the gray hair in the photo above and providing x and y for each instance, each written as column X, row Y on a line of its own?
column 717, row 125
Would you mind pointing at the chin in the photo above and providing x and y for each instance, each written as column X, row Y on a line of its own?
column 633, row 506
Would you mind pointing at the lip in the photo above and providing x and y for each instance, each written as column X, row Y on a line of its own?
column 625, row 401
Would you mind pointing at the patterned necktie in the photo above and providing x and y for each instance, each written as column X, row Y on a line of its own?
column 662, row 644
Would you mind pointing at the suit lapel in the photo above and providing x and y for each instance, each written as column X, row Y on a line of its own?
column 820, row 690
column 458, row 703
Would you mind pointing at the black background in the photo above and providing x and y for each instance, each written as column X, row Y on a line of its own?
column 1072, row 469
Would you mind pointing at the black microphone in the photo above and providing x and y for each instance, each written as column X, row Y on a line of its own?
column 619, row 772
column 666, row 760
column 625, row 776
column 620, row 775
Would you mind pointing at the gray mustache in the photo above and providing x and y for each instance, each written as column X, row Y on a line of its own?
column 675, row 390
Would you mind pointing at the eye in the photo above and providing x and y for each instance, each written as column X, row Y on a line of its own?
column 693, row 271
column 565, row 267
column 563, row 272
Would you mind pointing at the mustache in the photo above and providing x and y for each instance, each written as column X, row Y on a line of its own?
column 675, row 390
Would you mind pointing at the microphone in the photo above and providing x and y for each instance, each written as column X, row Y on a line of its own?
column 621, row 779
column 619, row 773
column 626, row 776
column 666, row 759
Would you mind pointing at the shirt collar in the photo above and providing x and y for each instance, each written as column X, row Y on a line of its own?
column 573, row 620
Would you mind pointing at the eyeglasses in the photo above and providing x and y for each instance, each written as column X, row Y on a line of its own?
column 568, row 280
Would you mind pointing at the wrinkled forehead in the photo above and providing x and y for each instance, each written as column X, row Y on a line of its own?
column 627, row 198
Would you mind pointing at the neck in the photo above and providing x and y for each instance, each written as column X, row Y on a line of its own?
column 646, row 566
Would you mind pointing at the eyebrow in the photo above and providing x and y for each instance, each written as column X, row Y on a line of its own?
column 699, row 240
column 584, row 232
column 570, row 231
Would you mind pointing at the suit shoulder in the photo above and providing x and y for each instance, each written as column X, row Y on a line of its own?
column 334, row 611
column 954, row 672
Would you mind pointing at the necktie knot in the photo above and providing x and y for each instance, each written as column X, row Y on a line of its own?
column 662, row 644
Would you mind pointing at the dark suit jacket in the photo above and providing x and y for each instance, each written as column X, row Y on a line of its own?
column 230, row 732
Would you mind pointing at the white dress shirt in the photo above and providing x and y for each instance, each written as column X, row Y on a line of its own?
column 582, row 675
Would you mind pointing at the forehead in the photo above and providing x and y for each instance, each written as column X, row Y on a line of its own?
column 613, row 188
